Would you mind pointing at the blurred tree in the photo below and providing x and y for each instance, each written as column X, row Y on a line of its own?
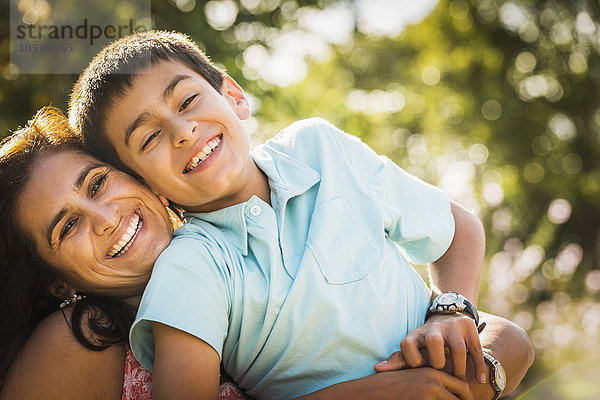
column 495, row 101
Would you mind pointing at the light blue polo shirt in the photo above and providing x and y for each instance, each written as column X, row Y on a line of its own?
column 310, row 291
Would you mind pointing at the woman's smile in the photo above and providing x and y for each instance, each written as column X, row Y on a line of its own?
column 128, row 237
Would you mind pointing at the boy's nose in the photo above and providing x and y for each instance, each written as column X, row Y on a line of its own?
column 183, row 131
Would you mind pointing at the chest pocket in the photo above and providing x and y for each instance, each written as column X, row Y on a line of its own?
column 343, row 246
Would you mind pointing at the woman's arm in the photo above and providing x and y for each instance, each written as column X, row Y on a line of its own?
column 417, row 383
column 54, row 365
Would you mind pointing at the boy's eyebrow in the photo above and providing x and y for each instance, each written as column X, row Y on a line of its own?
column 171, row 86
column 78, row 184
column 143, row 117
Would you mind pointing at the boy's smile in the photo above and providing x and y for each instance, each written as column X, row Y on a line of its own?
column 201, row 158
column 184, row 138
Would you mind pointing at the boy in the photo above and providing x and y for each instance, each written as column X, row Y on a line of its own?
column 292, row 238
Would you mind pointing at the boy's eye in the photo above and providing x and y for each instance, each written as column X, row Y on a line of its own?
column 149, row 140
column 67, row 228
column 96, row 184
column 187, row 102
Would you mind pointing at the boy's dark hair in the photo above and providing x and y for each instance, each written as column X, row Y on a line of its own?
column 113, row 71
column 28, row 284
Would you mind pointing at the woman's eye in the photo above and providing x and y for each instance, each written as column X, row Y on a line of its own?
column 97, row 184
column 187, row 102
column 149, row 140
column 67, row 228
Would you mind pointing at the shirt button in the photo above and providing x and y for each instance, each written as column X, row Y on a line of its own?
column 255, row 210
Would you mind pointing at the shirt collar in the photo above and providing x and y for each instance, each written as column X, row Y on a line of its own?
column 230, row 221
column 288, row 177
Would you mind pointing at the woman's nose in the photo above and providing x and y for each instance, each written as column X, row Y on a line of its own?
column 105, row 218
column 183, row 131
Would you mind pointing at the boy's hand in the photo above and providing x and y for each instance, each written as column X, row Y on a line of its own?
column 455, row 333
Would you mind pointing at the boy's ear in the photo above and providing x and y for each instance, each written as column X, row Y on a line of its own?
column 236, row 96
column 163, row 200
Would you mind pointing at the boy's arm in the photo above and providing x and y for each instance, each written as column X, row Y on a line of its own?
column 458, row 270
column 185, row 367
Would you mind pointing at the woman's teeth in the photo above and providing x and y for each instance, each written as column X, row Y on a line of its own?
column 128, row 237
column 203, row 154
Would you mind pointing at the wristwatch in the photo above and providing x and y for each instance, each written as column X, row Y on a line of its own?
column 497, row 375
column 449, row 303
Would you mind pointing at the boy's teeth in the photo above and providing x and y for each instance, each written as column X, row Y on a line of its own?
column 202, row 154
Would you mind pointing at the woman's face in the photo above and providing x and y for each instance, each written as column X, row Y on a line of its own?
column 98, row 226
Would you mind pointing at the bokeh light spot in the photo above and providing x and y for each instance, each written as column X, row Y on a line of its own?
column 569, row 258
column 493, row 194
column 525, row 62
column 478, row 153
column 431, row 76
column 541, row 145
column 533, row 172
column 559, row 211
column 572, row 163
column 592, row 281
column 220, row 14
column 491, row 110
column 562, row 126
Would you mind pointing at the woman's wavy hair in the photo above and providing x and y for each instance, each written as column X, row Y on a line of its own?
column 30, row 288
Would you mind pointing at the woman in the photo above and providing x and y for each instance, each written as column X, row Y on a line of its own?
column 89, row 206
column 33, row 289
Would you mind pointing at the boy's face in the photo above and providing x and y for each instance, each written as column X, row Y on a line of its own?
column 184, row 138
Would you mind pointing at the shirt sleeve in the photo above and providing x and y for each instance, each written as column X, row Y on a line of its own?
column 417, row 215
column 188, row 291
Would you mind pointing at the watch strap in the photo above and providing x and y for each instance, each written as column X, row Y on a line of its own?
column 464, row 306
column 493, row 365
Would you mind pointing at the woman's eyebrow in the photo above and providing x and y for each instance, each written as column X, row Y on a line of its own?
column 52, row 225
column 84, row 173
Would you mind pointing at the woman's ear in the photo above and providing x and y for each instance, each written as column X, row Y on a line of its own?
column 61, row 290
column 234, row 93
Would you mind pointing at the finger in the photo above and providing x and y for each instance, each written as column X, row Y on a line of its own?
column 458, row 351
column 393, row 363
column 474, row 348
column 456, row 386
column 435, row 350
column 410, row 351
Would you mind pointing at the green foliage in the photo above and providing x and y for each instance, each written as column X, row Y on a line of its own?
column 495, row 101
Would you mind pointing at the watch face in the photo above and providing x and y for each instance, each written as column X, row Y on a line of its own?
column 500, row 377
column 447, row 298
